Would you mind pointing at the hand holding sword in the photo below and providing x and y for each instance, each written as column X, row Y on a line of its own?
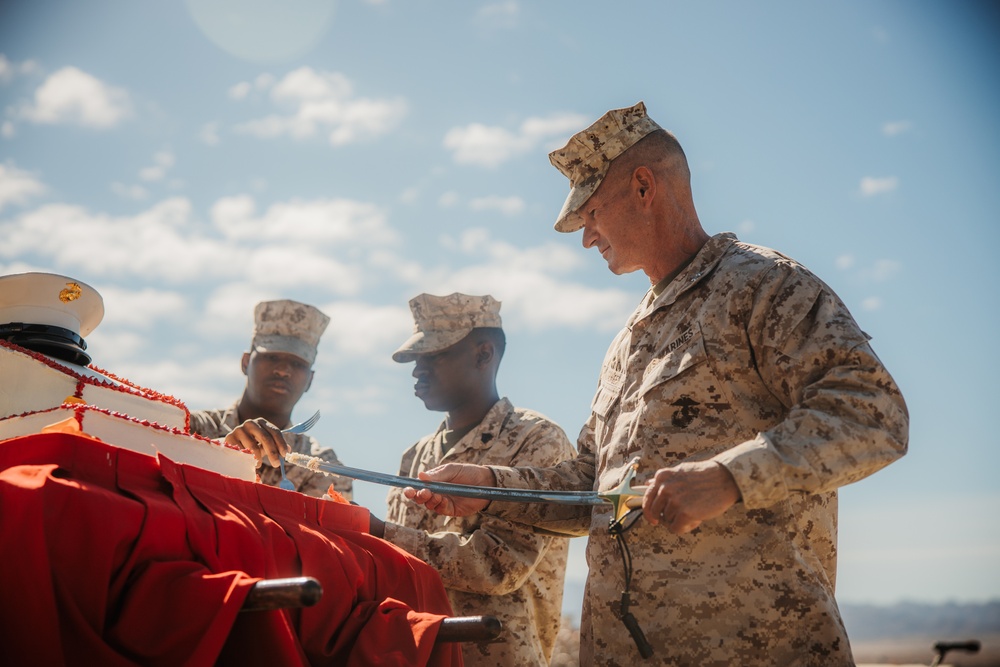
column 680, row 497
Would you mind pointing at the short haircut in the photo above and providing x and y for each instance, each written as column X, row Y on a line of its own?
column 659, row 147
column 494, row 335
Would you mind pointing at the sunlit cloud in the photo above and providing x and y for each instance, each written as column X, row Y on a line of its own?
column 17, row 187
column 499, row 14
column 533, row 283
column 132, row 192
column 506, row 205
column 448, row 199
column 240, row 90
column 71, row 96
column 490, row 146
column 897, row 127
column 871, row 186
column 880, row 271
column 872, row 303
column 143, row 308
column 362, row 329
column 162, row 162
column 885, row 269
column 148, row 262
column 339, row 222
column 316, row 104
column 209, row 134
column 9, row 69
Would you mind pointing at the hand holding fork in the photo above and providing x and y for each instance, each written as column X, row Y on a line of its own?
column 261, row 438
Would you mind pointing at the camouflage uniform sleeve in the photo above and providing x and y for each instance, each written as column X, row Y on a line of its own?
column 576, row 474
column 846, row 417
column 496, row 556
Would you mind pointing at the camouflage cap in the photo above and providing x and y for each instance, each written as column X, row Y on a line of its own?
column 441, row 321
column 288, row 326
column 49, row 313
column 585, row 159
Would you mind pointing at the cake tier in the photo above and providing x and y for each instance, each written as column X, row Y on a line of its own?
column 136, row 435
column 33, row 382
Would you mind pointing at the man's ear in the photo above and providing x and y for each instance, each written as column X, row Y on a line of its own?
column 245, row 362
column 484, row 354
column 645, row 184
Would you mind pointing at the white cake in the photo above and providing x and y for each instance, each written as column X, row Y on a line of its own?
column 33, row 381
column 38, row 391
column 137, row 435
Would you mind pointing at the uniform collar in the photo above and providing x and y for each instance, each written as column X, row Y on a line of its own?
column 485, row 432
column 700, row 267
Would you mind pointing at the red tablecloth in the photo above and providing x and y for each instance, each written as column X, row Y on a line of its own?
column 111, row 557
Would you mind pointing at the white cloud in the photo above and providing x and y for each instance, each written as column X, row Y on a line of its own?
column 359, row 329
column 159, row 244
column 209, row 134
column 9, row 69
column 506, row 205
column 500, row 15
column 72, row 96
column 340, row 222
column 7, row 130
column 339, row 248
column 878, row 272
column 133, row 192
column 532, row 283
column 240, row 90
column 313, row 104
column 17, row 187
column 746, row 226
column 141, row 308
column 448, row 199
column 897, row 127
column 885, row 269
column 871, row 186
column 484, row 146
column 410, row 195
column 488, row 146
column 162, row 162
column 872, row 303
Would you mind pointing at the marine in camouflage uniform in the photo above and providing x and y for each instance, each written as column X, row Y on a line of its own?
column 279, row 370
column 812, row 409
column 488, row 565
column 219, row 423
column 739, row 367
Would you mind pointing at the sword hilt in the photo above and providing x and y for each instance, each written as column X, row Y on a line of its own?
column 624, row 497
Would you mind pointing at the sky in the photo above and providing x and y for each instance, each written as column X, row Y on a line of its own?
column 189, row 159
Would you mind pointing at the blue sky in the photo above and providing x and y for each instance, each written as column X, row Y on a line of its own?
column 189, row 159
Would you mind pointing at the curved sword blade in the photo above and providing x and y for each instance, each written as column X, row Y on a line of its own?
column 447, row 489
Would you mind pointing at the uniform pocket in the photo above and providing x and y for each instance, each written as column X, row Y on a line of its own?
column 689, row 354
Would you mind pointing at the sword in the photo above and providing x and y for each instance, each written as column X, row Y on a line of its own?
column 622, row 498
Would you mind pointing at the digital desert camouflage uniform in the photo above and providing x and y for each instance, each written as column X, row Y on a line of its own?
column 748, row 359
column 490, row 565
column 218, row 424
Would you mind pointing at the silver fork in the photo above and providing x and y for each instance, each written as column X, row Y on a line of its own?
column 301, row 427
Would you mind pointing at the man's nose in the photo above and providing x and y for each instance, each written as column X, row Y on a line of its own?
column 589, row 234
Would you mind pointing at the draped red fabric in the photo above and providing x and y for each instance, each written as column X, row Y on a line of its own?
column 116, row 558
